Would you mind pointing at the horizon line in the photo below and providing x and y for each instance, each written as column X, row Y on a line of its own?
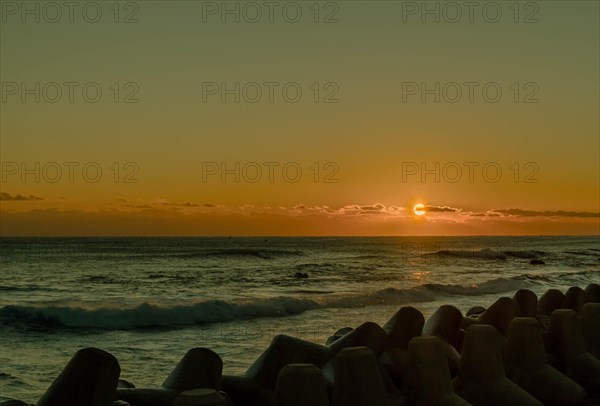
column 298, row 236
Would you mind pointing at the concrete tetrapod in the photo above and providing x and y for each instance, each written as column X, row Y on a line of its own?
column 199, row 368
column 481, row 379
column 565, row 342
column 428, row 379
column 286, row 350
column 527, row 302
column 527, row 365
column 368, row 334
column 146, row 397
column 590, row 325
column 90, row 378
column 550, row 301
column 592, row 292
column 357, row 379
column 301, row 385
column 575, row 298
column 500, row 314
column 200, row 397
column 445, row 323
column 405, row 324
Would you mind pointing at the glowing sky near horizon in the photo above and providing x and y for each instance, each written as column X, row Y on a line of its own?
column 355, row 162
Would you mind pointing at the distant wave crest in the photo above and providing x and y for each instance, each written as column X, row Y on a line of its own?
column 244, row 252
column 487, row 253
column 583, row 252
column 527, row 254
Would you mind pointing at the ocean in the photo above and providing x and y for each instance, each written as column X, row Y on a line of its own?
column 148, row 300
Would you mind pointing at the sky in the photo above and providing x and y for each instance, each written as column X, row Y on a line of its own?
column 299, row 118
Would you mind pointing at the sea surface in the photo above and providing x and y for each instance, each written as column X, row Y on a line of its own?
column 149, row 300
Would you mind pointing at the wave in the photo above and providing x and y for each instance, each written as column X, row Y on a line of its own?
column 492, row 286
column 27, row 288
column 152, row 316
column 582, row 252
column 242, row 252
column 10, row 288
column 4, row 376
column 100, row 279
column 262, row 253
column 10, row 380
column 484, row 253
column 314, row 266
column 388, row 296
column 584, row 273
column 149, row 315
column 524, row 254
column 313, row 291
column 487, row 253
column 370, row 256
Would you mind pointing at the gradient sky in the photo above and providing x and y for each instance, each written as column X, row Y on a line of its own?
column 371, row 136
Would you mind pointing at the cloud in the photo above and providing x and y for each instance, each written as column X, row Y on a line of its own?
column 18, row 198
column 369, row 209
column 138, row 206
column 186, row 204
column 514, row 212
column 375, row 209
column 489, row 213
column 442, row 209
column 191, row 205
column 164, row 204
column 536, row 213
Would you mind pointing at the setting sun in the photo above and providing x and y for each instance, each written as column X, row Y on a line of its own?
column 419, row 209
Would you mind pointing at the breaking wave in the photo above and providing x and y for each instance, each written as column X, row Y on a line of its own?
column 487, row 253
column 148, row 315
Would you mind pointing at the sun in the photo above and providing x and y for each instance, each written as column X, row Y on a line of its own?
column 419, row 209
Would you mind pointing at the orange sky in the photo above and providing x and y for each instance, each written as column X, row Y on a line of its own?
column 376, row 128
